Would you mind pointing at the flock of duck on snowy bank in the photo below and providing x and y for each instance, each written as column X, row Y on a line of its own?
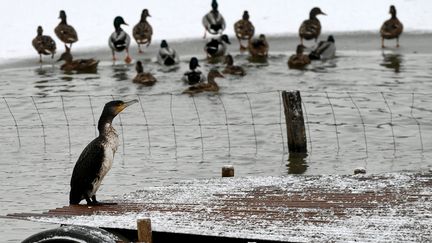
column 215, row 48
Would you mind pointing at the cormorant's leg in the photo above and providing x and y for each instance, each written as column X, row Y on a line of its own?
column 89, row 202
column 94, row 201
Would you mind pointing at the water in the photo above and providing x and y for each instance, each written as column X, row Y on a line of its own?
column 378, row 99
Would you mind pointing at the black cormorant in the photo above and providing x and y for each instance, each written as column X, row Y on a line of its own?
column 96, row 159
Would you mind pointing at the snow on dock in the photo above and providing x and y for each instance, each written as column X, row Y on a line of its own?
column 386, row 207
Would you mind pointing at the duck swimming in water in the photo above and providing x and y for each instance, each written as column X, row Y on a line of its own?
column 391, row 28
column 142, row 32
column 97, row 157
column 217, row 47
column 142, row 77
column 213, row 22
column 65, row 32
column 210, row 86
column 230, row 68
column 44, row 44
column 259, row 47
column 167, row 56
column 193, row 76
column 311, row 28
column 79, row 65
column 119, row 40
column 298, row 60
column 244, row 30
column 325, row 50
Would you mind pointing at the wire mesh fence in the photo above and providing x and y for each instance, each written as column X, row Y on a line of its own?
column 176, row 125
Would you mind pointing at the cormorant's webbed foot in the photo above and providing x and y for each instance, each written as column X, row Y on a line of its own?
column 94, row 202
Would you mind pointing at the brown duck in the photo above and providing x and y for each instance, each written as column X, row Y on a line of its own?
column 142, row 77
column 299, row 60
column 258, row 47
column 391, row 28
column 142, row 32
column 210, row 86
column 79, row 65
column 44, row 44
column 230, row 68
column 244, row 30
column 311, row 28
column 65, row 32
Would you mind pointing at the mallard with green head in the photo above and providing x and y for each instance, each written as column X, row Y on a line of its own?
column 230, row 68
column 119, row 40
column 213, row 22
column 44, row 44
column 79, row 65
column 167, row 56
column 209, row 86
column 142, row 32
column 193, row 76
column 311, row 28
column 64, row 31
column 142, row 77
column 244, row 30
column 298, row 60
column 391, row 28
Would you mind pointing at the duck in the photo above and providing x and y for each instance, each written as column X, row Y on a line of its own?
column 298, row 60
column 391, row 28
column 143, row 31
column 79, row 65
column 119, row 40
column 209, row 86
column 213, row 21
column 311, row 28
column 217, row 47
column 193, row 76
column 142, row 77
column 258, row 47
column 230, row 68
column 324, row 50
column 167, row 56
column 66, row 33
column 97, row 157
column 44, row 44
column 244, row 30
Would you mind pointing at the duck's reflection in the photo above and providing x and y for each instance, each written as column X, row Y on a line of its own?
column 120, row 72
column 297, row 163
column 392, row 61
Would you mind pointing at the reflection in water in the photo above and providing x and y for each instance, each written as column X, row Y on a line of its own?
column 392, row 61
column 297, row 163
column 46, row 72
column 120, row 72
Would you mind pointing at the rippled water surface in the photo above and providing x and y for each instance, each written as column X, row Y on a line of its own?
column 379, row 101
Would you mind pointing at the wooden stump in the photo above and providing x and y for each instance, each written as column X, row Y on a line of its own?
column 294, row 121
column 228, row 171
column 144, row 230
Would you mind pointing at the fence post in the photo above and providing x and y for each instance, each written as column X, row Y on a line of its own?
column 144, row 230
column 294, row 121
column 228, row 171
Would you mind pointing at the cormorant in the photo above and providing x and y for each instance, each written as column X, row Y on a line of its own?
column 96, row 159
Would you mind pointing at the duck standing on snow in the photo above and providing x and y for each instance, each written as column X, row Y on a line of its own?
column 325, row 50
column 119, row 39
column 97, row 157
column 167, row 56
column 213, row 21
column 311, row 28
column 217, row 47
column 79, row 65
column 299, row 60
column 230, row 68
column 210, row 86
column 193, row 76
column 44, row 44
column 391, row 28
column 244, row 30
column 65, row 32
column 142, row 77
column 142, row 32
column 259, row 47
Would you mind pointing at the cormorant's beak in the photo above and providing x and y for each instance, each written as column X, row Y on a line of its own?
column 124, row 105
column 323, row 13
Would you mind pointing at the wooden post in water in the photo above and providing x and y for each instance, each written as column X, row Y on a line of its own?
column 144, row 230
column 294, row 121
column 228, row 171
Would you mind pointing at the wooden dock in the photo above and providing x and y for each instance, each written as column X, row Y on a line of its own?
column 389, row 207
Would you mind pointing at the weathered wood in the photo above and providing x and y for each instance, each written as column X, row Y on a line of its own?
column 144, row 230
column 294, row 121
column 228, row 171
